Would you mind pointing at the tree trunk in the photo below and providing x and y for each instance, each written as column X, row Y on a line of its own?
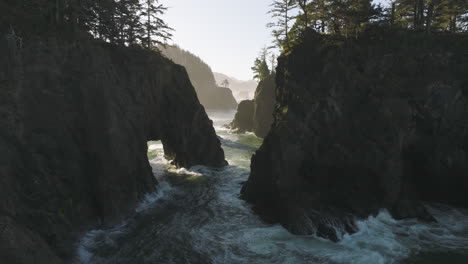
column 453, row 23
column 286, row 22
column 430, row 14
column 420, row 14
column 149, row 25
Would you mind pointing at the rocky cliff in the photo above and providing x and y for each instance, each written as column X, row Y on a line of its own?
column 210, row 94
column 260, row 110
column 265, row 102
column 75, row 118
column 243, row 120
column 379, row 122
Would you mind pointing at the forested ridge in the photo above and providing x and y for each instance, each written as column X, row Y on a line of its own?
column 199, row 71
column 348, row 18
column 211, row 95
column 122, row 22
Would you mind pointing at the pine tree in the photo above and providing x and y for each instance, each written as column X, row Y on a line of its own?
column 431, row 15
column 281, row 12
column 319, row 15
column 260, row 68
column 304, row 6
column 225, row 83
column 157, row 31
column 273, row 63
column 122, row 22
column 342, row 17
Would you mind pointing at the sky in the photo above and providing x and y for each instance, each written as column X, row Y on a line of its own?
column 226, row 34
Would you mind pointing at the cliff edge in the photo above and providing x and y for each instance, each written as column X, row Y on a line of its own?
column 361, row 125
column 257, row 115
column 75, row 118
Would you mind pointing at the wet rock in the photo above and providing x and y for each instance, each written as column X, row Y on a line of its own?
column 257, row 115
column 362, row 125
column 75, row 118
column 243, row 121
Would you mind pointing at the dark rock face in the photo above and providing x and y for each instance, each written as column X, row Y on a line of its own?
column 363, row 125
column 243, row 121
column 257, row 115
column 265, row 102
column 75, row 118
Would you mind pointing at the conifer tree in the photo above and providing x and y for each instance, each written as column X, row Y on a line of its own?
column 260, row 68
column 304, row 6
column 225, row 83
column 282, row 12
column 122, row 22
column 157, row 31
column 431, row 15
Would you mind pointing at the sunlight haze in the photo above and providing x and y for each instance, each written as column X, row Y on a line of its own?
column 227, row 35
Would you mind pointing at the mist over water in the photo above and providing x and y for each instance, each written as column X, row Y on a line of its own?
column 197, row 217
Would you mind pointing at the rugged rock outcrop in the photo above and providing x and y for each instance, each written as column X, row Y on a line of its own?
column 265, row 102
column 379, row 122
column 210, row 94
column 75, row 118
column 243, row 120
column 220, row 98
column 257, row 115
column 242, row 90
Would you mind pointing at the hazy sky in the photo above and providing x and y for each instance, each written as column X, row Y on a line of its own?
column 226, row 34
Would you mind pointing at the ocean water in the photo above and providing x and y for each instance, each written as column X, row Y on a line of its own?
column 196, row 216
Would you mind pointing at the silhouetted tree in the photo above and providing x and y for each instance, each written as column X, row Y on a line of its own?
column 305, row 7
column 343, row 17
column 260, row 68
column 431, row 15
column 281, row 12
column 273, row 62
column 225, row 83
column 157, row 31
column 123, row 22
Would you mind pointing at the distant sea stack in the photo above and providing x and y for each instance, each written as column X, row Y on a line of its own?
column 260, row 110
column 75, row 119
column 209, row 93
column 361, row 125
column 242, row 90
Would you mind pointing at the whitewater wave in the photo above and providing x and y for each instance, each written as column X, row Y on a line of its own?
column 203, row 220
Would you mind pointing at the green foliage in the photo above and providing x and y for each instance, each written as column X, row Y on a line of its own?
column 156, row 29
column 349, row 18
column 281, row 13
column 431, row 15
column 123, row 22
column 342, row 17
column 260, row 69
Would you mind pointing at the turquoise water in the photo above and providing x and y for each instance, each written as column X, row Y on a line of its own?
column 197, row 217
